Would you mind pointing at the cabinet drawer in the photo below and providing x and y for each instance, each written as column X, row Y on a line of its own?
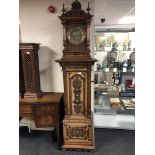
column 46, row 109
column 26, row 109
column 45, row 121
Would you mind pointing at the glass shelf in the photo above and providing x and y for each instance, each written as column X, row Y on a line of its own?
column 114, row 105
column 113, row 86
column 113, row 71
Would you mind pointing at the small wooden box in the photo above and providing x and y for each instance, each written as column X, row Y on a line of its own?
column 115, row 103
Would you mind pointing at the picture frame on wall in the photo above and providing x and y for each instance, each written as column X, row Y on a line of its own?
column 102, row 40
column 121, row 38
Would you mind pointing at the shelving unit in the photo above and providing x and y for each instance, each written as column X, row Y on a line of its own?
column 108, row 115
column 114, row 89
column 104, row 94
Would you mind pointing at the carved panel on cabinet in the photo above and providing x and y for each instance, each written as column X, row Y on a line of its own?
column 78, row 91
column 77, row 133
column 21, row 76
column 28, row 71
column 74, row 132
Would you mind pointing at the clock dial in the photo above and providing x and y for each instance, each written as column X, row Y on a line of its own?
column 76, row 35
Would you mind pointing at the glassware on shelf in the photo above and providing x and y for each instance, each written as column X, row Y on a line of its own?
column 124, row 47
column 106, row 99
column 98, row 67
column 129, row 45
column 122, row 87
column 101, row 100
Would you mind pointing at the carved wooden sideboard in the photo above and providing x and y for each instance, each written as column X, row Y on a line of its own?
column 76, row 63
column 47, row 111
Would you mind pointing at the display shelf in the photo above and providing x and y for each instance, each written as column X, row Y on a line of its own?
column 106, row 89
column 127, row 94
column 128, row 71
column 107, row 107
column 114, row 80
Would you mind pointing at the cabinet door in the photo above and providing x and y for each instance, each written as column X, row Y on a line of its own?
column 78, row 92
column 78, row 132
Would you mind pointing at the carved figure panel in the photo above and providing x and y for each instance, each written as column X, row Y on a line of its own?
column 77, row 98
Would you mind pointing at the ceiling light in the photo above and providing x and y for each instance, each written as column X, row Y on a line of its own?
column 127, row 20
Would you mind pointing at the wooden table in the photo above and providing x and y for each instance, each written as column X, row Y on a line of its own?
column 47, row 111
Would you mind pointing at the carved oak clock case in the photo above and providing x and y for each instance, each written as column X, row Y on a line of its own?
column 76, row 63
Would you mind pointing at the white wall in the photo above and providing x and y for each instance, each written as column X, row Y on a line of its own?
column 39, row 26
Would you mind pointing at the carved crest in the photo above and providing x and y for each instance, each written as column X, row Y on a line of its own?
column 75, row 10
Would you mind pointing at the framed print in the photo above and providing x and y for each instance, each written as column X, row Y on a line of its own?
column 103, row 40
column 121, row 38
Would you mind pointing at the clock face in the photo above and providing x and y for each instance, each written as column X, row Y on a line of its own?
column 76, row 35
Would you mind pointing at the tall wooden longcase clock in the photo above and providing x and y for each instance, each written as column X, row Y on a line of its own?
column 76, row 63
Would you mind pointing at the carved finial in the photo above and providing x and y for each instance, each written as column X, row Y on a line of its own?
column 75, row 10
column 63, row 9
column 76, row 5
column 88, row 9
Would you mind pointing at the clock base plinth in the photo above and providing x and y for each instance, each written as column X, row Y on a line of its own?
column 78, row 134
column 78, row 148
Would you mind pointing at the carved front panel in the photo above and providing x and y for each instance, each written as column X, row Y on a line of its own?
column 27, row 71
column 79, row 132
column 77, row 92
column 21, row 76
